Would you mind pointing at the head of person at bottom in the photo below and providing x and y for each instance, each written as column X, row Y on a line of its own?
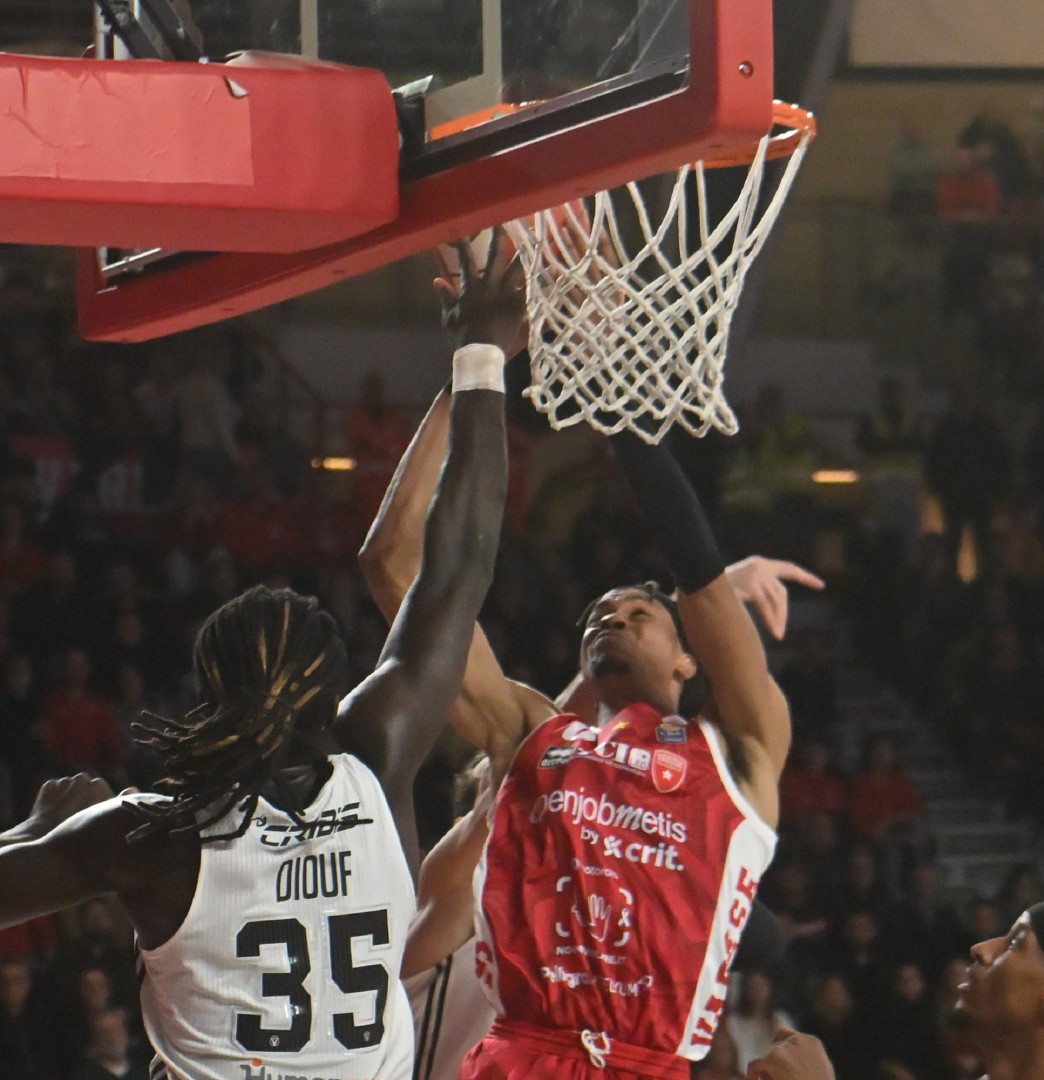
column 634, row 650
column 1001, row 1000
column 271, row 668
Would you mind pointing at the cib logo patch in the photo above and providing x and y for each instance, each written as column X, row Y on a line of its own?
column 557, row 756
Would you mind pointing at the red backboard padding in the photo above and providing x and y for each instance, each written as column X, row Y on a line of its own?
column 265, row 153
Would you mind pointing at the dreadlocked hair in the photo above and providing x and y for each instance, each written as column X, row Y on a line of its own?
column 271, row 667
column 696, row 692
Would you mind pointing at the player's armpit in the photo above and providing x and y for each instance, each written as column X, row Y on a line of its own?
column 493, row 712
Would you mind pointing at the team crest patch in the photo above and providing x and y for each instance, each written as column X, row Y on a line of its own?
column 668, row 770
column 557, row 756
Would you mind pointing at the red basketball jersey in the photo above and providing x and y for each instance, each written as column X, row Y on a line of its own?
column 620, row 869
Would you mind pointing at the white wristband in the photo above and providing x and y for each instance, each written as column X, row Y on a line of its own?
column 478, row 367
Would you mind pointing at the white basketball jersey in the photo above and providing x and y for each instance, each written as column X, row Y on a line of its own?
column 287, row 964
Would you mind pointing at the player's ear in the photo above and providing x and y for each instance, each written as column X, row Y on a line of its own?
column 686, row 666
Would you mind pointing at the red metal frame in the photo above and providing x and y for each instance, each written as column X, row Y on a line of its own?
column 728, row 103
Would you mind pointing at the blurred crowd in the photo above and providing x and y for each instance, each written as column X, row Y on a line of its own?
column 142, row 487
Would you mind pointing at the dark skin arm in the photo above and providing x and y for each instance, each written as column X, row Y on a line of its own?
column 73, row 847
column 394, row 717
column 492, row 711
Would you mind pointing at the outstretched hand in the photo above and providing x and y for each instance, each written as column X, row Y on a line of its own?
column 793, row 1057
column 487, row 303
column 762, row 582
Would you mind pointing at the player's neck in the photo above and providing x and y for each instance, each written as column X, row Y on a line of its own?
column 1024, row 1061
column 611, row 705
column 300, row 782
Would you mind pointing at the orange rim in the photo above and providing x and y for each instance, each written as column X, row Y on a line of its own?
column 483, row 116
column 796, row 124
column 794, row 121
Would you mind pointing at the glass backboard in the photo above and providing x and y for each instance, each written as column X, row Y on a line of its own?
column 505, row 107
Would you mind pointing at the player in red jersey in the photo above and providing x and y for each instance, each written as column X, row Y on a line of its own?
column 624, row 856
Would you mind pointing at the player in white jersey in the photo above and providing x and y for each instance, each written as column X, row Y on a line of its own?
column 270, row 887
column 639, row 652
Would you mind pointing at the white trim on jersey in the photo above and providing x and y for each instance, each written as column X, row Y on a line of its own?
column 750, row 851
column 717, row 749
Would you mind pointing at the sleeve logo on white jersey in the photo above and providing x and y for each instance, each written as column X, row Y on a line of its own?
column 281, row 834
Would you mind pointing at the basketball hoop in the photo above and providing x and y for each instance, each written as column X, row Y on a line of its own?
column 636, row 338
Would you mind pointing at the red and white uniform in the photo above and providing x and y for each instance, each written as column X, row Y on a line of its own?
column 619, row 873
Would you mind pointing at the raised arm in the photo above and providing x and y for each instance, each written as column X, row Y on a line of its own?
column 492, row 711
column 751, row 709
column 393, row 718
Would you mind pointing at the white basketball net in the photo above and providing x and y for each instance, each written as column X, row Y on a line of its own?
column 637, row 339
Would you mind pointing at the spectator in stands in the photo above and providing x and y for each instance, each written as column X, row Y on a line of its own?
column 908, row 1035
column 755, row 1018
column 79, row 729
column 156, row 405
column 863, row 887
column 809, row 786
column 27, row 1043
column 833, row 1019
column 101, row 940
column 42, row 407
column 990, row 138
column 891, row 441
column 968, row 201
column 968, row 467
column 207, row 417
column 936, row 611
column 22, row 560
column 822, row 854
column 861, row 957
column 57, row 612
column 21, row 752
column 885, row 808
column 132, row 699
column 924, row 925
column 108, row 1055
column 1019, row 892
column 769, row 479
column 913, row 170
column 378, row 433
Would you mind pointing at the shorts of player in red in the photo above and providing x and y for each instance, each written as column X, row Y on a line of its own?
column 514, row 1050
